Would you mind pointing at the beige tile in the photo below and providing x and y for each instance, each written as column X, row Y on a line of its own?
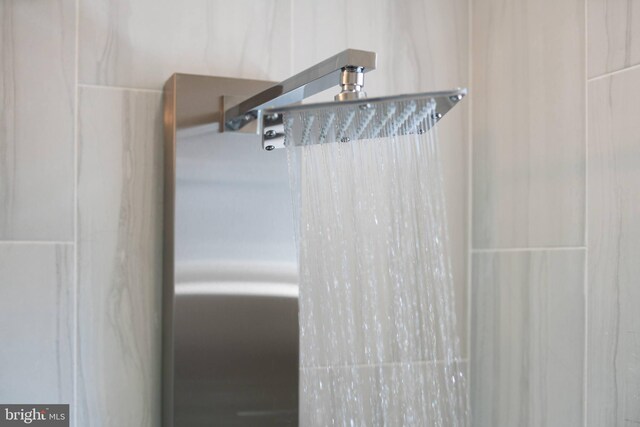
column 453, row 133
column 36, row 323
column 528, row 124
column 375, row 395
column 374, row 288
column 333, row 396
column 614, row 250
column 37, row 92
column 142, row 43
column 119, row 264
column 421, row 46
column 528, row 339
column 613, row 35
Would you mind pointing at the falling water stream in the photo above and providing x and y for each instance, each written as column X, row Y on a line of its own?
column 378, row 342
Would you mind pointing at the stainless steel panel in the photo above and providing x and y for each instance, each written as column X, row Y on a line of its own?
column 230, row 341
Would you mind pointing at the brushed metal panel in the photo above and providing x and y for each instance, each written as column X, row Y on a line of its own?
column 230, row 326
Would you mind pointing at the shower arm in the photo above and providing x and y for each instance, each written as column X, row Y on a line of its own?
column 345, row 69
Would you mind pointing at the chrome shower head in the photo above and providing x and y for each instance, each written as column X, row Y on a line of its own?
column 356, row 119
column 353, row 117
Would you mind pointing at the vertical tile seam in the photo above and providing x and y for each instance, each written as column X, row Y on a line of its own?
column 291, row 36
column 469, row 193
column 585, row 122
column 291, row 59
column 75, row 299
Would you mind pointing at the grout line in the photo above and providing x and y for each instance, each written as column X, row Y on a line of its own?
column 612, row 73
column 384, row 364
column 35, row 242
column 586, row 219
column 532, row 249
column 291, row 37
column 90, row 86
column 469, row 197
column 76, row 328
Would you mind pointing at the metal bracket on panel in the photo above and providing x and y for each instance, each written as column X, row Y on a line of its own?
column 345, row 69
column 269, row 126
column 243, row 124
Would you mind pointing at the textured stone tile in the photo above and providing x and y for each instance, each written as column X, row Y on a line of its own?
column 377, row 395
column 527, row 351
column 142, row 43
column 613, row 35
column 37, row 97
column 614, row 250
column 36, row 323
column 119, row 264
column 528, row 124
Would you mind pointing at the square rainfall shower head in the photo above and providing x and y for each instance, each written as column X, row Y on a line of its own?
column 365, row 118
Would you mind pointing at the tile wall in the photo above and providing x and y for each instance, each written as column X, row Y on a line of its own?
column 555, row 213
column 613, row 270
column 547, row 151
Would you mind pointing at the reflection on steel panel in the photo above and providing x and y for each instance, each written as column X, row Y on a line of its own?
column 230, row 327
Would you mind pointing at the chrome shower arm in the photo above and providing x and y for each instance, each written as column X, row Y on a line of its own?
column 313, row 80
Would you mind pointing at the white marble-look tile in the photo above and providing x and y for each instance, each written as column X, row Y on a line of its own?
column 421, row 46
column 453, row 134
column 119, row 264
column 613, row 38
column 389, row 299
column 380, row 395
column 614, row 251
column 528, row 123
column 37, row 92
column 142, row 43
column 527, row 352
column 36, row 323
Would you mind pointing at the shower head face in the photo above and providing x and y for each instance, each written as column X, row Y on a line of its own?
column 359, row 119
